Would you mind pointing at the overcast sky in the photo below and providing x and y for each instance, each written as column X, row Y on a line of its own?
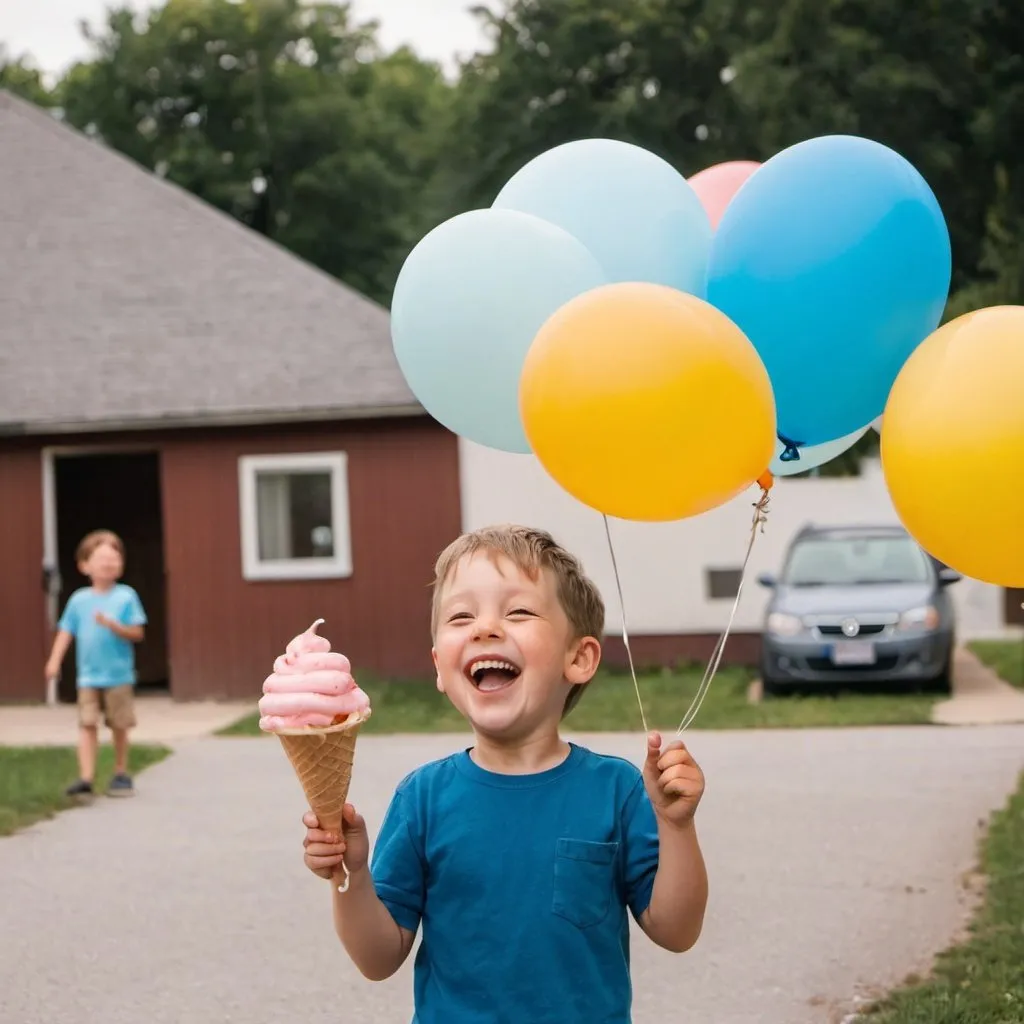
column 48, row 29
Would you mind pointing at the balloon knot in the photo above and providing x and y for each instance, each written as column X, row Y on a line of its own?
column 761, row 509
column 792, row 450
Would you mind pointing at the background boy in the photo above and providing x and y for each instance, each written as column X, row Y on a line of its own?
column 105, row 620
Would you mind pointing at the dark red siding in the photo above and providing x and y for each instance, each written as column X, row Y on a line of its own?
column 23, row 630
column 671, row 649
column 403, row 479
column 224, row 632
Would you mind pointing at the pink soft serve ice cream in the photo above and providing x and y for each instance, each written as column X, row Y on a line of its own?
column 311, row 687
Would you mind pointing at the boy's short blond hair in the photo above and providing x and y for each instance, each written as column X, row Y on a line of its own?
column 91, row 541
column 530, row 550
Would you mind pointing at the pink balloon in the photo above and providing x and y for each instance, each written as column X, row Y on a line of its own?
column 715, row 186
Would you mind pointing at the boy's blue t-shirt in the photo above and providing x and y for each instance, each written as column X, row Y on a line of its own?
column 522, row 884
column 101, row 656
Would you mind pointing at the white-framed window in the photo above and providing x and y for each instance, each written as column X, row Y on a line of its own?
column 294, row 516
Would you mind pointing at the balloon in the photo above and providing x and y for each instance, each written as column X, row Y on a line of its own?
column 814, row 456
column 646, row 403
column 953, row 445
column 467, row 304
column 715, row 186
column 630, row 208
column 834, row 259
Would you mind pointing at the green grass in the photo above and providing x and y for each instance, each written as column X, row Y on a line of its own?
column 33, row 779
column 982, row 980
column 1004, row 657
column 610, row 705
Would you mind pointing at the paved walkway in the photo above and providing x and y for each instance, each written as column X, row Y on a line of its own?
column 980, row 697
column 161, row 720
column 837, row 861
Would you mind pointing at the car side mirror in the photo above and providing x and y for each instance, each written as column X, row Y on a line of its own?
column 947, row 576
column 767, row 580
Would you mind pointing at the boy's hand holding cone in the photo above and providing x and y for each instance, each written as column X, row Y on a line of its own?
column 325, row 850
column 314, row 707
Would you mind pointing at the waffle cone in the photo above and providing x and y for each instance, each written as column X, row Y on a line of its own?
column 322, row 759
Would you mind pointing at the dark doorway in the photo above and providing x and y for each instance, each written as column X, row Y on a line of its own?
column 1013, row 606
column 119, row 492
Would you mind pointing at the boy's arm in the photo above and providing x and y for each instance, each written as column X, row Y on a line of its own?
column 373, row 939
column 61, row 643
column 675, row 915
column 136, row 634
column 674, row 783
column 377, row 917
column 132, row 625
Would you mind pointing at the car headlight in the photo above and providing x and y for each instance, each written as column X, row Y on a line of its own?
column 920, row 619
column 782, row 624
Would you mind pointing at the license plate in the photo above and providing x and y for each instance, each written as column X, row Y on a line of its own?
column 857, row 652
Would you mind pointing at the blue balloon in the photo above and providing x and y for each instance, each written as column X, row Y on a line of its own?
column 467, row 305
column 636, row 213
column 814, row 456
column 834, row 259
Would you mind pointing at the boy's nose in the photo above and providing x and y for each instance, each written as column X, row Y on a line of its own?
column 487, row 628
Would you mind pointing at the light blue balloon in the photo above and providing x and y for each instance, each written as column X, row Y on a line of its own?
column 814, row 456
column 834, row 259
column 636, row 213
column 468, row 303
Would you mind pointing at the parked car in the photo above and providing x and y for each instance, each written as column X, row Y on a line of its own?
column 857, row 604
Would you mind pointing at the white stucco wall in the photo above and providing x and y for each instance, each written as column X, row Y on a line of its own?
column 663, row 565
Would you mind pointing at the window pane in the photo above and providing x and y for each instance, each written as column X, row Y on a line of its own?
column 723, row 583
column 852, row 561
column 294, row 515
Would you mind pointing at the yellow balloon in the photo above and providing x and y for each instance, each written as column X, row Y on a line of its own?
column 646, row 403
column 953, row 445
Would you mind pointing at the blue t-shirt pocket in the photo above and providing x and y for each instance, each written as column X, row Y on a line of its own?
column 584, row 881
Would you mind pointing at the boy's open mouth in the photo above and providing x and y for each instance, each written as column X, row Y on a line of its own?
column 490, row 674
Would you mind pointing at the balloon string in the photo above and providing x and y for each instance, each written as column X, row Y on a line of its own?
column 760, row 518
column 625, row 631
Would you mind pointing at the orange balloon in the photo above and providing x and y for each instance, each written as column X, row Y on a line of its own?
column 953, row 444
column 647, row 403
column 715, row 186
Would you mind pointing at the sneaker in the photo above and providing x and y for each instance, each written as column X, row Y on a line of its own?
column 120, row 785
column 81, row 788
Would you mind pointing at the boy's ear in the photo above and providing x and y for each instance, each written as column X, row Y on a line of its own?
column 582, row 661
column 433, row 654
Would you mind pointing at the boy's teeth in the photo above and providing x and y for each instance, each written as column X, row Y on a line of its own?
column 503, row 665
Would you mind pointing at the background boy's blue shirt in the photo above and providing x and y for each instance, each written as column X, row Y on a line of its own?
column 101, row 656
column 522, row 884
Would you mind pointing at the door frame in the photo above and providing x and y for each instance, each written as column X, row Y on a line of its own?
column 51, row 561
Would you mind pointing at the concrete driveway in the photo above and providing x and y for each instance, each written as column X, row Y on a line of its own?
column 837, row 863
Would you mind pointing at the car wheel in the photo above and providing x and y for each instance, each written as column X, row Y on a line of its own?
column 942, row 684
column 772, row 688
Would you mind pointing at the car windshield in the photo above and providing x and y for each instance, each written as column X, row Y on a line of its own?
column 848, row 561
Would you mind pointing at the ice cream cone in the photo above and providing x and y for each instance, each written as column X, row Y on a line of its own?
column 322, row 760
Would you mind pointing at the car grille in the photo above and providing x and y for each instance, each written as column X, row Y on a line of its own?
column 886, row 663
column 866, row 629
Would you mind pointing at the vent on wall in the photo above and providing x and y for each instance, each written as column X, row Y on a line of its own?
column 722, row 584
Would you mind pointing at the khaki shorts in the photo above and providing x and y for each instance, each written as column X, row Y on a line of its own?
column 116, row 702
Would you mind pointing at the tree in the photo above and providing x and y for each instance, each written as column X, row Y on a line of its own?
column 651, row 72
column 19, row 76
column 285, row 115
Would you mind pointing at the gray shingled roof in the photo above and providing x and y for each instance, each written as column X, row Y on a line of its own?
column 125, row 301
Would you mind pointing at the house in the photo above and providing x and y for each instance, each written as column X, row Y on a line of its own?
column 235, row 414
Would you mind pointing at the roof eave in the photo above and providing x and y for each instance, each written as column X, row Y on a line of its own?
column 184, row 421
